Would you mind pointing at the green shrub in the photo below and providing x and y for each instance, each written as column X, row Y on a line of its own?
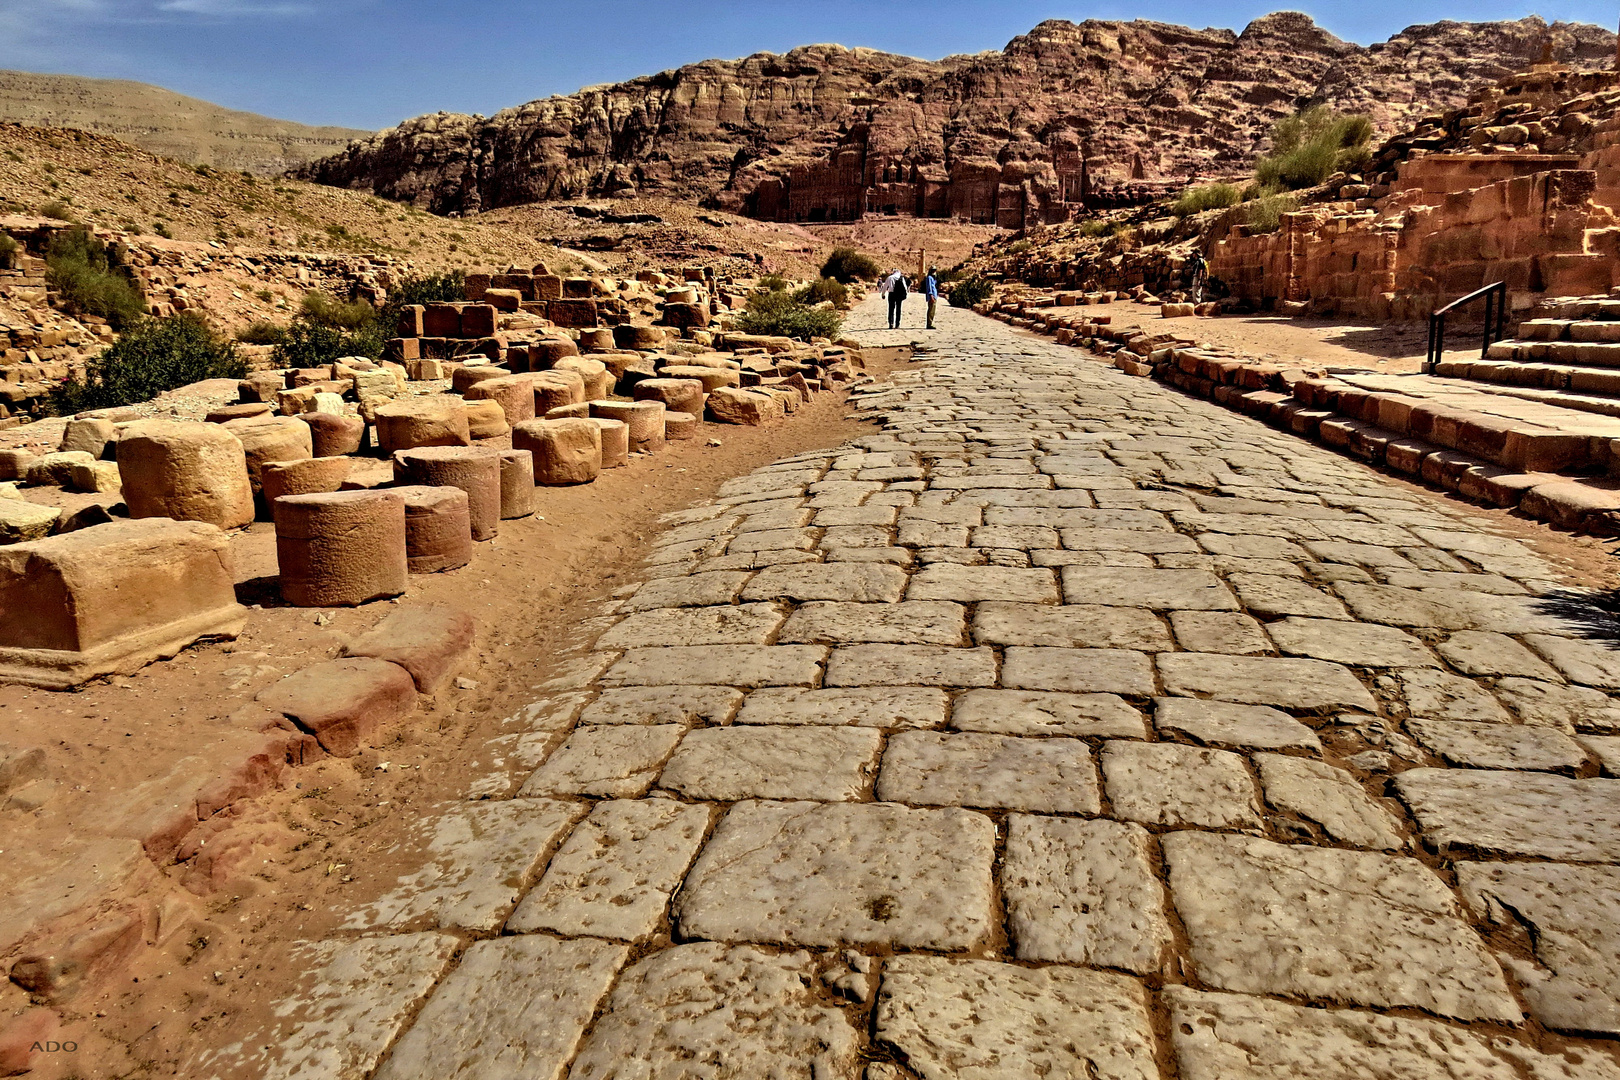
column 91, row 279
column 778, row 312
column 57, row 209
column 1094, row 228
column 1264, row 215
column 262, row 332
column 156, row 356
column 825, row 289
column 773, row 283
column 846, row 265
column 970, row 291
column 1195, row 200
column 8, row 251
column 1018, row 247
column 1310, row 146
column 323, row 309
column 307, row 344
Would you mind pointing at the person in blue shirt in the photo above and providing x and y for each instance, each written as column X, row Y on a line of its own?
column 930, row 289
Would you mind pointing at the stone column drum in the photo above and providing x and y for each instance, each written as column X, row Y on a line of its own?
column 185, row 471
column 333, row 436
column 678, row 395
column 646, row 420
column 474, row 469
column 513, row 393
column 565, row 451
column 340, row 547
column 680, row 425
column 556, row 388
column 615, row 442
column 438, row 535
column 422, row 421
column 517, row 484
column 598, row 379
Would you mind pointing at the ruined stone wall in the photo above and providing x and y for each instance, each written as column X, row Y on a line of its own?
column 1542, row 233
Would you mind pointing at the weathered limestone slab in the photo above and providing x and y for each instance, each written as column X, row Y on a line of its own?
column 1362, row 928
column 361, row 1000
column 21, row 521
column 771, row 762
column 1446, row 609
column 610, row 761
column 972, row 584
column 1440, row 695
column 1083, row 892
column 1273, row 595
column 979, row 1018
column 1571, row 708
column 514, row 1006
column 910, row 665
column 1051, row 776
column 912, row 622
column 1220, row 723
column 1071, row 626
column 1330, row 797
column 825, row 874
column 733, row 665
column 1356, row 644
column 690, row 1004
column 112, row 598
column 1481, row 652
column 1258, row 680
column 615, row 874
column 476, row 858
column 1224, row 1036
column 1032, row 712
column 1585, row 662
column 846, row 581
column 691, row 590
column 886, row 707
column 1084, row 671
column 1171, row 784
column 1572, row 914
column 1186, row 590
column 1499, row 746
column 721, row 624
column 1606, row 748
column 663, row 705
column 1515, row 813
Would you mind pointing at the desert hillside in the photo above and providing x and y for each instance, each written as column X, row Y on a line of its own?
column 167, row 123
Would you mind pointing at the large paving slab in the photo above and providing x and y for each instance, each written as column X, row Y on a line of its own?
column 1515, row 813
column 969, row 769
column 827, row 874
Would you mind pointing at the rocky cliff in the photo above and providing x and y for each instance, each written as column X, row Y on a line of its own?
column 825, row 132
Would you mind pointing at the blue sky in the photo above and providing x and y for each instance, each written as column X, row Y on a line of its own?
column 371, row 63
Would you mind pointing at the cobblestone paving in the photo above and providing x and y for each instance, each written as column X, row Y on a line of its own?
column 1067, row 728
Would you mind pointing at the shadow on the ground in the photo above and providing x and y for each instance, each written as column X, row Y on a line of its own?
column 1385, row 342
column 1596, row 612
column 263, row 591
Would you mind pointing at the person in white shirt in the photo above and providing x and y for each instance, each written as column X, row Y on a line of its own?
column 895, row 288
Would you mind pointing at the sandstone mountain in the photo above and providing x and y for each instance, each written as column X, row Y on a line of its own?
column 163, row 122
column 800, row 136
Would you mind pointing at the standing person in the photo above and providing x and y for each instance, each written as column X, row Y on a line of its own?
column 895, row 288
column 930, row 289
column 1197, row 273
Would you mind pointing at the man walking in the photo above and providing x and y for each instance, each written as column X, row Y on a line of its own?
column 931, row 291
column 895, row 288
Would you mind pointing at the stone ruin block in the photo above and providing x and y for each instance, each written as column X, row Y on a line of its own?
column 598, row 339
column 428, row 642
column 522, row 284
column 112, row 598
column 474, row 469
column 438, row 528
column 441, row 321
column 422, row 421
column 343, row 702
column 565, row 451
column 185, row 471
column 504, row 299
column 573, row 312
column 485, row 420
column 548, row 287
column 411, row 321
column 402, row 349
column 477, row 321
column 476, row 284
column 340, row 548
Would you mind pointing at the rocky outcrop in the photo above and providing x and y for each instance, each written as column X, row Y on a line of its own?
column 1064, row 112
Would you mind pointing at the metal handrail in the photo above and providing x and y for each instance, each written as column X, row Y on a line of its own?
column 1495, row 295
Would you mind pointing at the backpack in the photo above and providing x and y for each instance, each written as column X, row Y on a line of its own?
column 898, row 290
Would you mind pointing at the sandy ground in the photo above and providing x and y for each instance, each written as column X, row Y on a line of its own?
column 1313, row 342
column 328, row 833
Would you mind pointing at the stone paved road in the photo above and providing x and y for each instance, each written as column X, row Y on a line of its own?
column 1068, row 728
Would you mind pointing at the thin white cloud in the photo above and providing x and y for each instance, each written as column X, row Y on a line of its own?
column 233, row 9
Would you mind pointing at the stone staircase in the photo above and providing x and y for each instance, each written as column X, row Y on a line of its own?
column 1566, row 354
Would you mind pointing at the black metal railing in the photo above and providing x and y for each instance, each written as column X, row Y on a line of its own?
column 1495, row 295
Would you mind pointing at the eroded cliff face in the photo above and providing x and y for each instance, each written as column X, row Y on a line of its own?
column 827, row 132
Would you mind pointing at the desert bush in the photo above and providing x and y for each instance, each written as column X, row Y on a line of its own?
column 156, row 356
column 308, row 344
column 773, row 283
column 1310, row 146
column 1018, row 247
column 91, row 279
column 323, row 309
column 262, row 332
column 8, row 251
column 1206, row 197
column 1264, row 214
column 970, row 291
column 846, row 265
column 778, row 312
column 57, row 209
column 825, row 289
column 1094, row 228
